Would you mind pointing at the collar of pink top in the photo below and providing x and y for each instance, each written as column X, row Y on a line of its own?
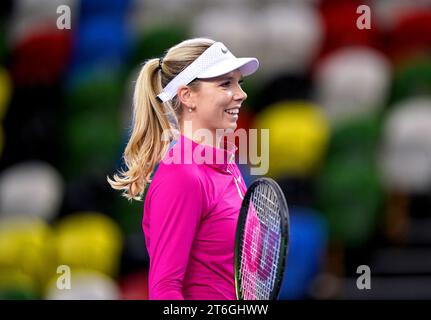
column 193, row 152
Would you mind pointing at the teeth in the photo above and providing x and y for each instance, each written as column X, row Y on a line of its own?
column 232, row 111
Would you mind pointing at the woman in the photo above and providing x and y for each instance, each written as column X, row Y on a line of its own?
column 183, row 104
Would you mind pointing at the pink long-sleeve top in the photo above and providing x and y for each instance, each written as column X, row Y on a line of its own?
column 191, row 210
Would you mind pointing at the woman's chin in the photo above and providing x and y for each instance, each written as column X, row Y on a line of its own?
column 228, row 127
column 231, row 127
column 230, row 130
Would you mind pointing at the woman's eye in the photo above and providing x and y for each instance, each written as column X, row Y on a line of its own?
column 229, row 83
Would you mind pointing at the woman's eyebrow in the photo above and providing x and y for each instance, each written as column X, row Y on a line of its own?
column 225, row 78
column 230, row 78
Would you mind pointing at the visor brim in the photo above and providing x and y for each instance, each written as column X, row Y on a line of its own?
column 246, row 66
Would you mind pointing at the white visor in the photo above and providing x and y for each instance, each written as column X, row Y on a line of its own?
column 215, row 61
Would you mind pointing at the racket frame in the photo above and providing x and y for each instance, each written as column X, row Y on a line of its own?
column 284, row 246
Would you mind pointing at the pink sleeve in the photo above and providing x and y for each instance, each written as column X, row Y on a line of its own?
column 176, row 204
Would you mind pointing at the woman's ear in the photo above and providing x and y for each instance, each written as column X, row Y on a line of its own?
column 185, row 95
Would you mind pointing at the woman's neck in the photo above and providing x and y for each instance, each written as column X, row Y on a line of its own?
column 209, row 138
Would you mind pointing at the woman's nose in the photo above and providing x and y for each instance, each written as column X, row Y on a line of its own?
column 240, row 94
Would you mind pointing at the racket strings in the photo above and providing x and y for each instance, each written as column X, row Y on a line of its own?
column 269, row 216
column 261, row 245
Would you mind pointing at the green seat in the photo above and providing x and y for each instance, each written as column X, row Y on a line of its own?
column 412, row 79
column 350, row 195
column 92, row 130
column 153, row 41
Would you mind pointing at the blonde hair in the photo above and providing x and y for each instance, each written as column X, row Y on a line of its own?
column 152, row 118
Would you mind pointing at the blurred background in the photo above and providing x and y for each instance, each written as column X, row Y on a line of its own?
column 349, row 112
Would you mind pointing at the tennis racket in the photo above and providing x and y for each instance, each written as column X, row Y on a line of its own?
column 262, row 241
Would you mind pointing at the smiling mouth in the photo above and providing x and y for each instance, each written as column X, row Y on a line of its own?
column 232, row 111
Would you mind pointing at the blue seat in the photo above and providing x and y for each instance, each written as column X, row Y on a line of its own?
column 308, row 240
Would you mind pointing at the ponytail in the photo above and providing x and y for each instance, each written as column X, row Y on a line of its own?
column 145, row 145
column 152, row 119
